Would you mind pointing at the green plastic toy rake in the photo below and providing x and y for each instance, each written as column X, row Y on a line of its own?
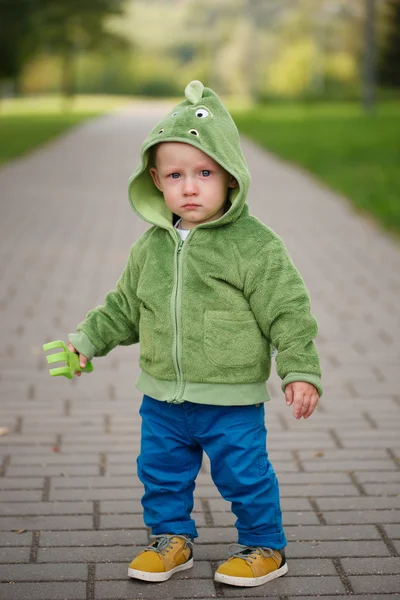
column 71, row 359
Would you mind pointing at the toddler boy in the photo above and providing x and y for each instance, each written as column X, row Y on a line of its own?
column 208, row 291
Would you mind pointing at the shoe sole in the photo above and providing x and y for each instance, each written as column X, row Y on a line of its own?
column 157, row 577
column 250, row 581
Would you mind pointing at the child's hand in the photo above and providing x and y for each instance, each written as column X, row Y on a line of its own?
column 82, row 359
column 304, row 396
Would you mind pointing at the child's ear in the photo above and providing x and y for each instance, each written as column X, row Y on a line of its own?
column 155, row 178
column 232, row 182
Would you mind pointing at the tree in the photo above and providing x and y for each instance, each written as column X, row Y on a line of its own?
column 16, row 38
column 70, row 26
column 62, row 27
column 389, row 60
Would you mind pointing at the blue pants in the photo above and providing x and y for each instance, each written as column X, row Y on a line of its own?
column 234, row 437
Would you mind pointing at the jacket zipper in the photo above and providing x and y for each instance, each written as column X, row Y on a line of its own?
column 177, row 324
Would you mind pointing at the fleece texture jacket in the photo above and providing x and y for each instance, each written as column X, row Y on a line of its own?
column 209, row 310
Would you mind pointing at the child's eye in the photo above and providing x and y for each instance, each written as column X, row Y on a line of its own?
column 206, row 173
column 174, row 175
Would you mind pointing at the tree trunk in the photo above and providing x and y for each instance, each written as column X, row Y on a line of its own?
column 369, row 65
column 68, row 77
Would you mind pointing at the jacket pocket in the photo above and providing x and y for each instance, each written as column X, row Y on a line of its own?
column 146, row 333
column 232, row 339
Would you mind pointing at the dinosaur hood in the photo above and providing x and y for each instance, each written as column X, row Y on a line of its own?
column 202, row 121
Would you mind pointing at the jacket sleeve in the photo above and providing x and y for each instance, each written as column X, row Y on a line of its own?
column 280, row 302
column 114, row 323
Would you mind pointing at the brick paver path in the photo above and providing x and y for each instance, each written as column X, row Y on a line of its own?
column 70, row 499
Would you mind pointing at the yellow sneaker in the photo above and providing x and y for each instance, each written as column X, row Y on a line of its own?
column 164, row 557
column 249, row 567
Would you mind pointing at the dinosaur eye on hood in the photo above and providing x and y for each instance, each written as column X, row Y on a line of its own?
column 202, row 113
column 161, row 131
column 193, row 132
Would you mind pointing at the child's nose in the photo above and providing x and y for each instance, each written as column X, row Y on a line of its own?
column 189, row 187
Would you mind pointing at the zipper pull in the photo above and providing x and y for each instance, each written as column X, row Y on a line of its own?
column 180, row 246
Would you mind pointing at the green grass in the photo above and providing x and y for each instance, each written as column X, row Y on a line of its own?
column 20, row 133
column 29, row 122
column 355, row 154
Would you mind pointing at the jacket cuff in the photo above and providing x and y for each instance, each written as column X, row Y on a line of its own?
column 307, row 377
column 81, row 342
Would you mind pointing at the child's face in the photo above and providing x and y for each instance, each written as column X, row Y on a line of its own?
column 193, row 184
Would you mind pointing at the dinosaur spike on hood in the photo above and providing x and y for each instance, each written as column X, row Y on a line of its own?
column 194, row 91
column 202, row 121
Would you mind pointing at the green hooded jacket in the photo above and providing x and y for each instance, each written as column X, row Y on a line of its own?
column 208, row 311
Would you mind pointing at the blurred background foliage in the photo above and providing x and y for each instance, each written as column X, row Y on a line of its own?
column 262, row 49
column 314, row 81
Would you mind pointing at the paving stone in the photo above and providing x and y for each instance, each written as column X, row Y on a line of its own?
column 28, row 440
column 121, row 522
column 210, row 535
column 382, row 489
column 318, row 586
column 66, row 471
column 115, row 470
column 316, row 490
column 14, row 555
column 349, row 465
column 93, row 538
column 35, row 572
column 393, row 531
column 21, row 496
column 96, row 437
column 43, row 591
column 316, row 549
column 375, row 442
column 358, row 503
column 365, row 516
column 300, row 518
column 376, row 584
column 105, row 493
column 299, row 567
column 326, row 532
column 37, row 451
column 96, row 483
column 353, row 597
column 44, row 522
column 372, row 566
column 104, row 446
column 308, row 478
column 121, row 590
column 89, row 554
column 380, row 476
column 211, row 552
column 46, row 508
column 13, row 483
column 363, row 456
column 124, row 507
column 304, row 444
column 15, row 539
column 119, row 459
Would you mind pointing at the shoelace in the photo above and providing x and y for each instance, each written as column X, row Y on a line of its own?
column 249, row 552
column 164, row 542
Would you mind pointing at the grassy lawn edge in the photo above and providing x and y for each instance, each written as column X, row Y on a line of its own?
column 355, row 155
